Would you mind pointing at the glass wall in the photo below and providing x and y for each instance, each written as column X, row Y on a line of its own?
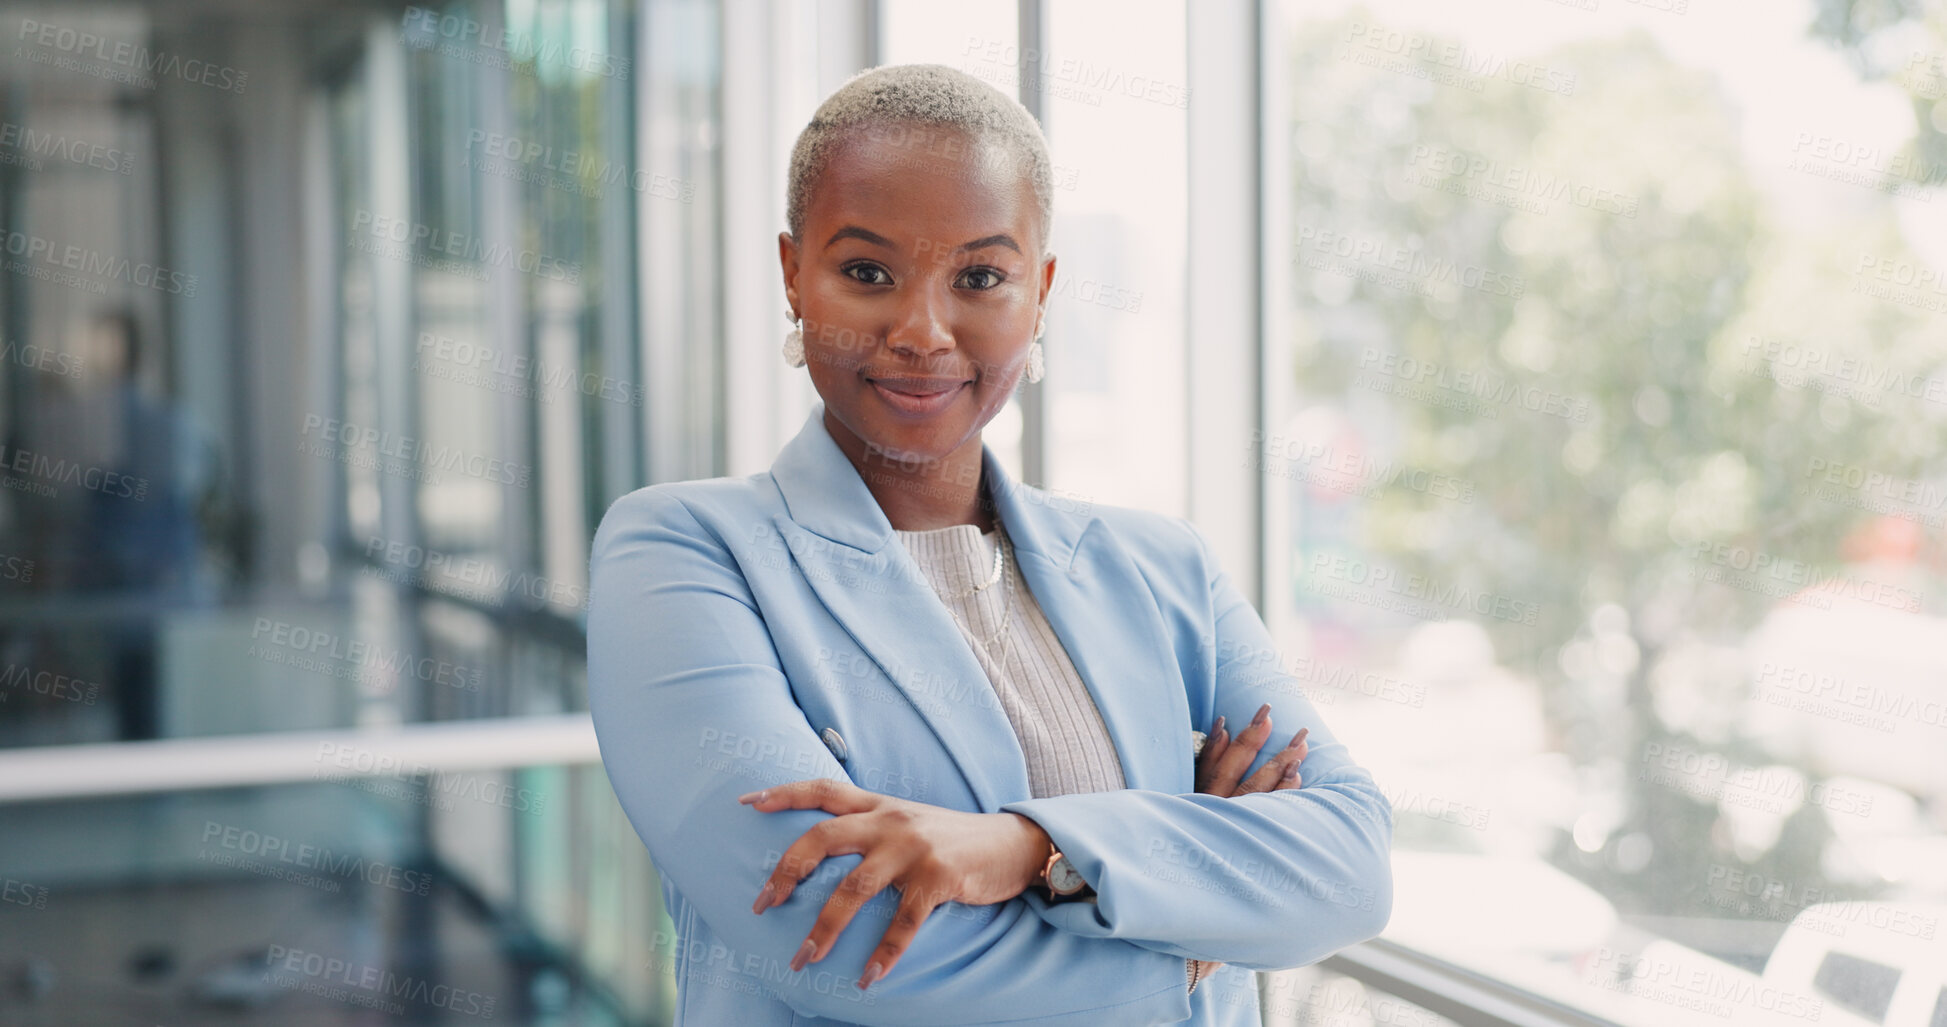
column 321, row 356
column 1615, row 465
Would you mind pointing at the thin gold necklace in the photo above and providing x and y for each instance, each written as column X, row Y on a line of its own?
column 1007, row 617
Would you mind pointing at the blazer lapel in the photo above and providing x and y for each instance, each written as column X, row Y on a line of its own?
column 1086, row 585
column 1097, row 603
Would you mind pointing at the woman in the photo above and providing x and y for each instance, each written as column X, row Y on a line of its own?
column 912, row 743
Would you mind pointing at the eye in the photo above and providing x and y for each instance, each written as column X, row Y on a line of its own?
column 981, row 278
column 863, row 271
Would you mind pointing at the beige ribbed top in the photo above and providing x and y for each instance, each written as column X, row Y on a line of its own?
column 1061, row 732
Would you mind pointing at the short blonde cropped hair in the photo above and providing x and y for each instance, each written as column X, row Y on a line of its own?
column 890, row 99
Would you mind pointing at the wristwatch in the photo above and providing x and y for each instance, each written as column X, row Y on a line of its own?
column 1061, row 879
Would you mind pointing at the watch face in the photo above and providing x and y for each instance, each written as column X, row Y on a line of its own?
column 1064, row 879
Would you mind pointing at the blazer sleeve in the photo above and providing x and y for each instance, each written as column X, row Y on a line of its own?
column 1266, row 881
column 691, row 709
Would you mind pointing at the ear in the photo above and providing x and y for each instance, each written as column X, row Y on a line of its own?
column 1047, row 283
column 787, row 258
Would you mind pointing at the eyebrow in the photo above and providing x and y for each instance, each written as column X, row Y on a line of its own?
column 855, row 232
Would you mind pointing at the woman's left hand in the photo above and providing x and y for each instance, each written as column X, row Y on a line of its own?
column 930, row 853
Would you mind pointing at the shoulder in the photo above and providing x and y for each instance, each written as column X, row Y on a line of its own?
column 702, row 508
column 1171, row 551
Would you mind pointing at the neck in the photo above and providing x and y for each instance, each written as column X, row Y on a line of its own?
column 920, row 495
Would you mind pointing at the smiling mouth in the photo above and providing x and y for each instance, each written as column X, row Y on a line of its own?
column 917, row 397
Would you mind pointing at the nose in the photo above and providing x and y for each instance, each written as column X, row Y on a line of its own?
column 921, row 328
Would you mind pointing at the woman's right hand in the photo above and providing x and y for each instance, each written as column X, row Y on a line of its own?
column 1224, row 759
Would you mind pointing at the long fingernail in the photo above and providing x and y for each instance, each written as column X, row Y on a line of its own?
column 1298, row 738
column 1262, row 712
column 1291, row 771
column 1217, row 728
column 764, row 898
column 873, row 971
column 753, row 797
column 805, row 952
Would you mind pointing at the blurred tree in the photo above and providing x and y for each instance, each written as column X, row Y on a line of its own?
column 1624, row 268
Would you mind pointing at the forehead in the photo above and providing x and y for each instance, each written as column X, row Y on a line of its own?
column 927, row 179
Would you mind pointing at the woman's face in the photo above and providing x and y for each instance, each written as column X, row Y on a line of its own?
column 920, row 280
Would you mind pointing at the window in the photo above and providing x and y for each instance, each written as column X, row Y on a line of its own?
column 1613, row 456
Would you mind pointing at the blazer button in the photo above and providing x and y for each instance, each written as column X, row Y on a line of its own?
column 835, row 742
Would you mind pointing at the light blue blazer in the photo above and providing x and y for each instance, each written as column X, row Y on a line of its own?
column 745, row 632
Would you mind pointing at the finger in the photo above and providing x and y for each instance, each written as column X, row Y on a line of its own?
column 838, row 836
column 1213, row 750
column 826, row 793
column 1272, row 775
column 869, row 878
column 915, row 905
column 1242, row 752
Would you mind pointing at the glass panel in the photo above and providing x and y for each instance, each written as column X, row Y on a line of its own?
column 319, row 903
column 1114, row 72
column 1615, row 468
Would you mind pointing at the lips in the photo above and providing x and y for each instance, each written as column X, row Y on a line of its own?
column 917, row 397
column 918, row 387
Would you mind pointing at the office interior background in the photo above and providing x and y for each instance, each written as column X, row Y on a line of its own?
column 1565, row 380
